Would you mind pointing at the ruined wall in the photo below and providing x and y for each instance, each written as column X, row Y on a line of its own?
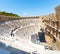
column 6, row 18
column 58, row 15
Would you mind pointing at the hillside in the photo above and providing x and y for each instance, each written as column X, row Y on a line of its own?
column 8, row 14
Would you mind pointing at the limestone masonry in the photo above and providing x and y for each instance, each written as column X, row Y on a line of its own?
column 17, row 32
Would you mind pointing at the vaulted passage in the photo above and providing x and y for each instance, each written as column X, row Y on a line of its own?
column 41, row 36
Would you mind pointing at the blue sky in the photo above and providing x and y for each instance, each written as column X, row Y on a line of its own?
column 29, row 7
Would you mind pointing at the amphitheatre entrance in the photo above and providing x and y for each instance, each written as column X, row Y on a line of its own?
column 41, row 36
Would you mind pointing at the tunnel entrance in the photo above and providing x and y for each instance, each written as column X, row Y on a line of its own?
column 41, row 36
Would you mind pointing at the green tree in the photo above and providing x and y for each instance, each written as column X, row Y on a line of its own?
column 8, row 14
